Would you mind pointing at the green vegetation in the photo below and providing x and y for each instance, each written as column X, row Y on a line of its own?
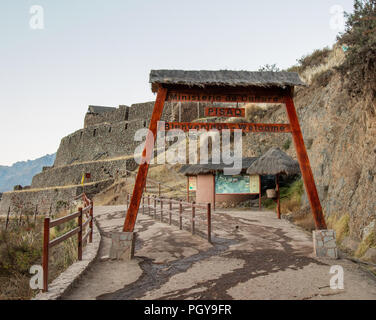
column 360, row 41
column 291, row 196
column 286, row 145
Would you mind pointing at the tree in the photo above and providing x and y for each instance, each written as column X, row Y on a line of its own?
column 360, row 38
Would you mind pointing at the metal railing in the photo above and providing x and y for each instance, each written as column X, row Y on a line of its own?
column 167, row 209
column 81, row 239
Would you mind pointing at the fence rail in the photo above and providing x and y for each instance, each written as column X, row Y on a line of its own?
column 164, row 207
column 88, row 212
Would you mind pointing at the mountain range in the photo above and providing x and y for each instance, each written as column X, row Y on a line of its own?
column 22, row 172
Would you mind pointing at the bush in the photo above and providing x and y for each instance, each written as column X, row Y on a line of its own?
column 360, row 38
column 286, row 145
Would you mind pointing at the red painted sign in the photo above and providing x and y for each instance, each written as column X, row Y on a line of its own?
column 244, row 127
column 224, row 112
column 174, row 96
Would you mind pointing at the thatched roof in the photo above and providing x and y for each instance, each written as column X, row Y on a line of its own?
column 274, row 162
column 210, row 168
column 228, row 78
column 100, row 109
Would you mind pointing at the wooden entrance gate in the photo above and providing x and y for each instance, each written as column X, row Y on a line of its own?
column 226, row 87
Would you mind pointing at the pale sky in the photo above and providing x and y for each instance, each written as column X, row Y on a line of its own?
column 101, row 52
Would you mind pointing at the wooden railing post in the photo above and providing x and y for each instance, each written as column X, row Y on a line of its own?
column 208, row 213
column 193, row 217
column 91, row 221
column 180, row 215
column 161, row 210
column 155, row 207
column 149, row 205
column 79, row 237
column 170, row 212
column 46, row 242
column 143, row 204
column 127, row 203
column 159, row 189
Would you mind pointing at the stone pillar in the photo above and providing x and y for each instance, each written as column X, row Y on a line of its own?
column 122, row 247
column 324, row 244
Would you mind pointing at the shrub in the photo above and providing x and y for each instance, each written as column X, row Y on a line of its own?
column 360, row 38
column 286, row 145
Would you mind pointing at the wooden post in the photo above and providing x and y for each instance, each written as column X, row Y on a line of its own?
column 159, row 189
column 140, row 182
column 35, row 215
column 170, row 212
column 304, row 164
column 155, row 207
column 46, row 242
column 180, row 215
column 187, row 189
column 7, row 222
column 214, row 192
column 193, row 217
column 149, row 205
column 79, row 236
column 260, row 193
column 278, row 197
column 91, row 221
column 208, row 214
column 143, row 204
column 161, row 210
column 126, row 201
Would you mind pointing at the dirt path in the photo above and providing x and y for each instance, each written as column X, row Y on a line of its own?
column 253, row 256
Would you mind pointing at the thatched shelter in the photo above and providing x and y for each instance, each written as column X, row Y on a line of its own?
column 224, row 78
column 274, row 162
column 211, row 168
column 232, row 183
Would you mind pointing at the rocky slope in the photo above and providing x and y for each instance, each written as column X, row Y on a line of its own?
column 340, row 135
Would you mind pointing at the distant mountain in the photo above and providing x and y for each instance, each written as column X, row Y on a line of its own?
column 21, row 173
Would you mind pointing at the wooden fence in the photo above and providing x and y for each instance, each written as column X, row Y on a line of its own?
column 189, row 214
column 79, row 230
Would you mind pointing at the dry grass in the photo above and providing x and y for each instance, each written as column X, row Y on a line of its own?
column 304, row 219
column 21, row 247
column 311, row 68
column 340, row 224
column 368, row 242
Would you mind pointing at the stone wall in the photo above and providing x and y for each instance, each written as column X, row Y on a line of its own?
column 118, row 115
column 72, row 174
column 109, row 140
column 47, row 199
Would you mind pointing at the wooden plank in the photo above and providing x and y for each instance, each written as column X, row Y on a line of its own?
column 62, row 220
column 64, row 237
column 305, row 166
column 140, row 182
column 178, row 93
column 86, row 235
column 244, row 127
column 225, row 112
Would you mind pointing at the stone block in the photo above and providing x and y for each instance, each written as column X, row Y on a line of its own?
column 122, row 247
column 324, row 244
